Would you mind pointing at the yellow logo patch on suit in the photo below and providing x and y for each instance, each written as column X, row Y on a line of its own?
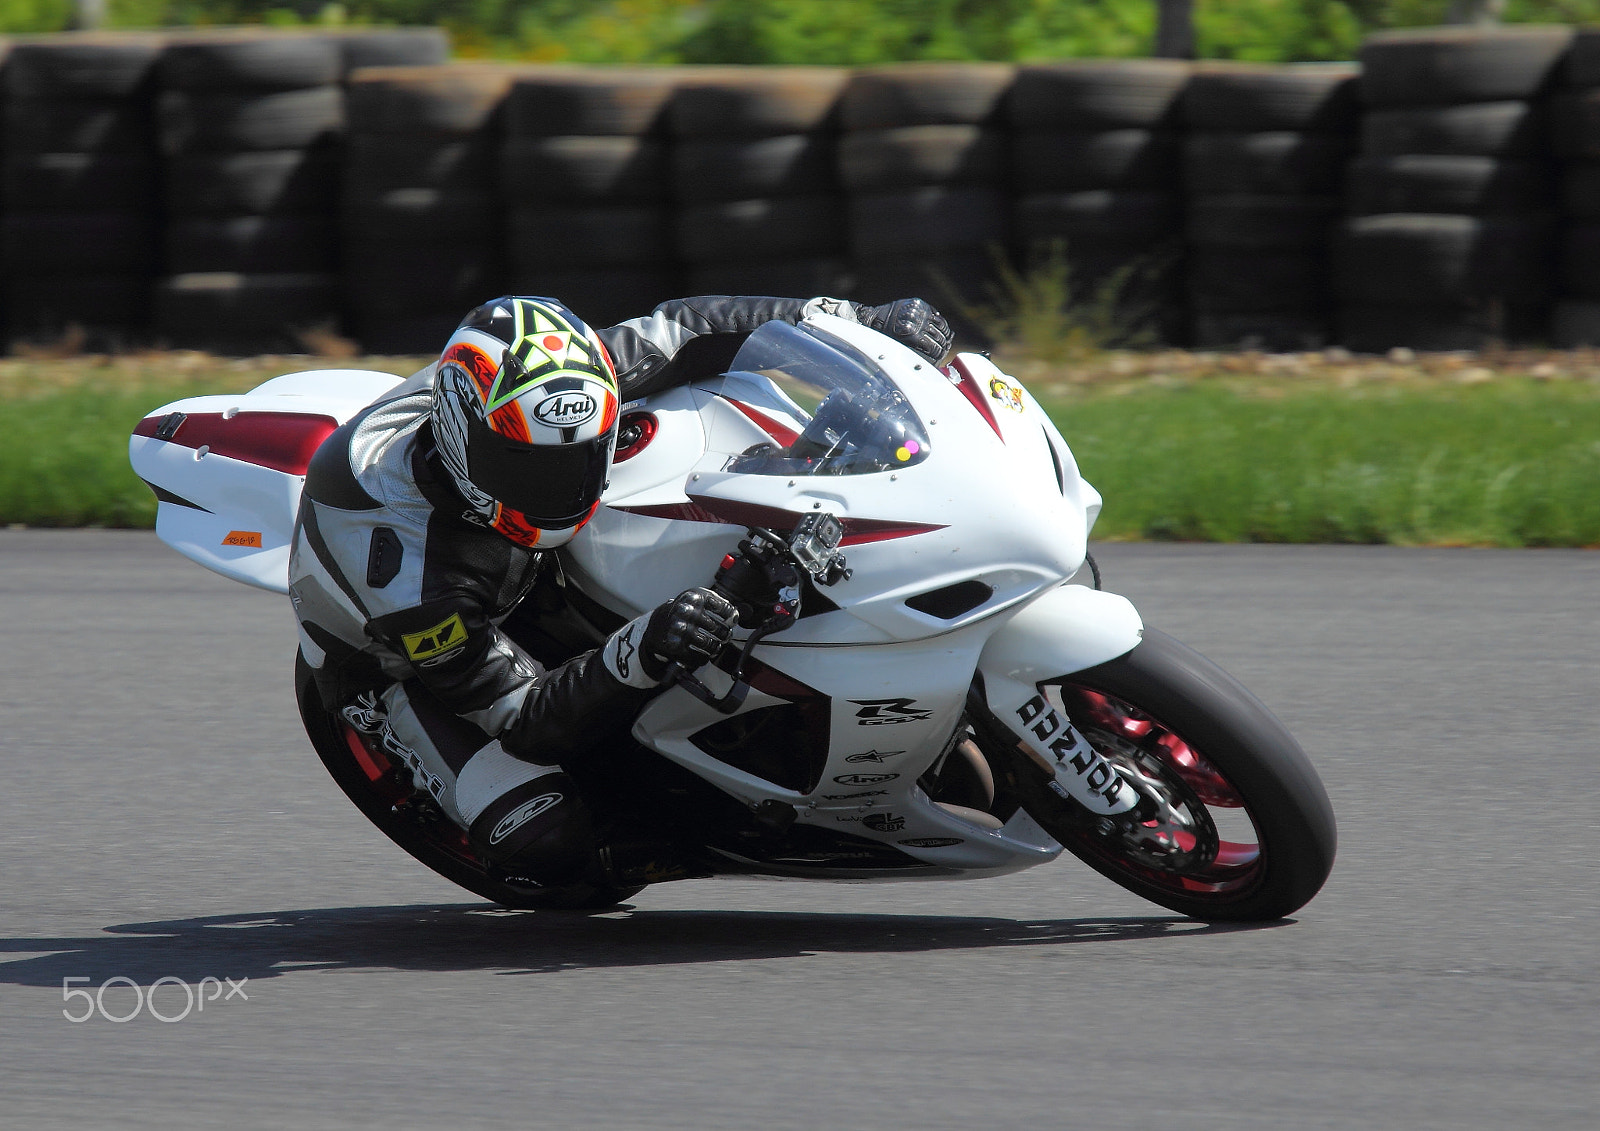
column 443, row 637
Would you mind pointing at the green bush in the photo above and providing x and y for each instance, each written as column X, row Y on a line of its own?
column 850, row 32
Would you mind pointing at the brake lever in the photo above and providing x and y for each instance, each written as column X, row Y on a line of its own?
column 680, row 676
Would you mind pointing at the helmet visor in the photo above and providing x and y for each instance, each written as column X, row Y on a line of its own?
column 553, row 485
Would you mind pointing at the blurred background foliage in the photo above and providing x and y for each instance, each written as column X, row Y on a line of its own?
column 820, row 31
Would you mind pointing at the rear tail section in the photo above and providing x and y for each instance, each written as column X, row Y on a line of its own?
column 227, row 470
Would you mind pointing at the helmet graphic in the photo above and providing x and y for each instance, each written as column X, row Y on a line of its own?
column 525, row 418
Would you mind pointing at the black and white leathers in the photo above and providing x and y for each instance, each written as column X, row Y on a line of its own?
column 395, row 582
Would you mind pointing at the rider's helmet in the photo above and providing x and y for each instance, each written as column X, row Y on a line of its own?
column 525, row 418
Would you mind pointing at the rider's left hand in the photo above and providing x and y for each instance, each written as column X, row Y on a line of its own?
column 690, row 630
column 913, row 322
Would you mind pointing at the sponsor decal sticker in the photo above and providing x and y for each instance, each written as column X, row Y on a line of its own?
column 864, row 779
column 878, row 756
column 887, row 712
column 1006, row 393
column 446, row 636
column 931, row 841
column 883, row 822
column 851, row 796
column 243, row 538
column 1071, row 752
column 566, row 410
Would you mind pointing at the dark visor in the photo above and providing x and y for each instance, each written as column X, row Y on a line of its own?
column 553, row 485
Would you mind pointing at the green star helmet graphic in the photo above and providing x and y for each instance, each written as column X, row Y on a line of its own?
column 544, row 345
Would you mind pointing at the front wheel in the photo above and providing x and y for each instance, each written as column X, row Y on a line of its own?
column 1236, row 826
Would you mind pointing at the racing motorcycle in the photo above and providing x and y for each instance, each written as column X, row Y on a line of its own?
column 932, row 695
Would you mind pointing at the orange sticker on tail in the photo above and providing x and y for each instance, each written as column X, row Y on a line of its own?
column 243, row 538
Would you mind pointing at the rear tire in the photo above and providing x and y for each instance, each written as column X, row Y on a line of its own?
column 1215, row 749
column 383, row 791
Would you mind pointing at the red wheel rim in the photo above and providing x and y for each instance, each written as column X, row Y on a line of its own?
column 1124, row 734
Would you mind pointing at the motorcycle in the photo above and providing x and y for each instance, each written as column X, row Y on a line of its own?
column 932, row 695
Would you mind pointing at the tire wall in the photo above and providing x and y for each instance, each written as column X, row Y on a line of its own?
column 79, row 211
column 1265, row 150
column 242, row 189
column 1575, row 137
column 1449, row 238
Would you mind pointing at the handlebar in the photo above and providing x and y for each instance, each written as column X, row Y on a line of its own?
column 768, row 567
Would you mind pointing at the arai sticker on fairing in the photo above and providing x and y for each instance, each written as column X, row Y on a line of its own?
column 1080, row 772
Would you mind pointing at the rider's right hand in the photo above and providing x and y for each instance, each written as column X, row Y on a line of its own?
column 690, row 630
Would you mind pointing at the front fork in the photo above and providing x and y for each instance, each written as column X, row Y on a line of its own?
column 1069, row 629
column 1074, row 769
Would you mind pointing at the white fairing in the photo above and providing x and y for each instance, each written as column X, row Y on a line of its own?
column 997, row 501
column 961, row 557
column 240, row 514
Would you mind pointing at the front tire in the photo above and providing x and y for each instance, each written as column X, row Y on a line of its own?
column 1244, row 832
column 382, row 789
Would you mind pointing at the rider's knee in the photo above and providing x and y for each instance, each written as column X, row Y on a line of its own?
column 540, row 829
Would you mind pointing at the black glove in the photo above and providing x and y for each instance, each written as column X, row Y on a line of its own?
column 912, row 322
column 690, row 629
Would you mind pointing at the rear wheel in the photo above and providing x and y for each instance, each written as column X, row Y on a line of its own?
column 1237, row 825
column 382, row 789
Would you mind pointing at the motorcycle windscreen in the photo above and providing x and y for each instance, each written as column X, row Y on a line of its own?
column 857, row 421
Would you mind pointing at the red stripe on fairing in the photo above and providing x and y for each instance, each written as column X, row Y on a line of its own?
column 974, row 392
column 783, row 434
column 703, row 508
column 283, row 441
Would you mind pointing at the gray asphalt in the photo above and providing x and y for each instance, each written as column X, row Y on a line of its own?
column 162, row 816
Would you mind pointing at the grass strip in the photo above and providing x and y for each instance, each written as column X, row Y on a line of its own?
column 1513, row 463
column 1507, row 461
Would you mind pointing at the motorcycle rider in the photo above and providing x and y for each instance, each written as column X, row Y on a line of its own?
column 425, row 520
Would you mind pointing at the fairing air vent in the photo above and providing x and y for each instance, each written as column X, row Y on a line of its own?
column 951, row 601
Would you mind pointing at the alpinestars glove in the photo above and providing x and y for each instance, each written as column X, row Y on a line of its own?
column 690, row 630
column 912, row 322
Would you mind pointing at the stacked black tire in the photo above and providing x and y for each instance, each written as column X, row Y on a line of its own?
column 585, row 179
column 391, row 47
column 250, row 125
column 1575, row 136
column 79, row 235
column 1263, row 162
column 421, row 220
column 759, row 209
column 923, row 163
column 1095, row 150
column 1451, row 239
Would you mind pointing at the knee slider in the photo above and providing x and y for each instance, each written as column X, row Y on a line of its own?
column 540, row 829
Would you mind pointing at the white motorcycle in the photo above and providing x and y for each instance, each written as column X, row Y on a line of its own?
column 930, row 698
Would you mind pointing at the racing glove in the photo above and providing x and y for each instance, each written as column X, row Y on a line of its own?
column 912, row 322
column 690, row 630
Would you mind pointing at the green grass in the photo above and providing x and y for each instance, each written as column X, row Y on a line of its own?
column 1497, row 464
column 1419, row 459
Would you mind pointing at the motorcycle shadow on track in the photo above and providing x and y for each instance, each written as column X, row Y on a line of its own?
column 475, row 937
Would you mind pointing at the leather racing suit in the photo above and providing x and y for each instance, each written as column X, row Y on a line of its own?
column 400, row 591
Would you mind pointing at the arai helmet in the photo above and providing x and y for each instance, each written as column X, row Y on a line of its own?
column 525, row 418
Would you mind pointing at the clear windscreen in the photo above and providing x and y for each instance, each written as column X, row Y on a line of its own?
column 856, row 420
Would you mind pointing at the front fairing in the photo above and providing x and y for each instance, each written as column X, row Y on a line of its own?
column 989, row 505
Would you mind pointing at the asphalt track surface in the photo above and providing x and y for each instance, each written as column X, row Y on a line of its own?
column 162, row 817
